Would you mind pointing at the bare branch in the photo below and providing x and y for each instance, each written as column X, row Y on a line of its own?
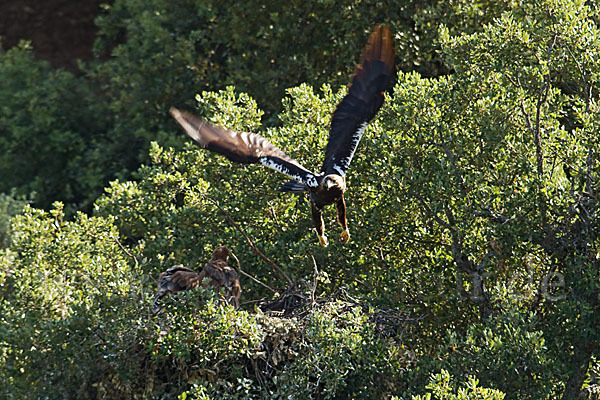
column 250, row 242
column 430, row 211
column 127, row 252
column 542, row 97
column 248, row 275
column 527, row 119
column 457, row 173
column 316, row 274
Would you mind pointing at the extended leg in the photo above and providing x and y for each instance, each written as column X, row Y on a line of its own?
column 340, row 205
column 319, row 226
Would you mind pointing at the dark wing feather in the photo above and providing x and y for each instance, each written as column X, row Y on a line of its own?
column 186, row 280
column 293, row 186
column 241, row 147
column 178, row 268
column 372, row 77
column 214, row 271
column 176, row 279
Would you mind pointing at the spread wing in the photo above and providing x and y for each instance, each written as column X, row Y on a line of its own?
column 242, row 147
column 186, row 280
column 178, row 268
column 373, row 76
column 178, row 278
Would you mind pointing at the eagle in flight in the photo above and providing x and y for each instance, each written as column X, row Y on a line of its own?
column 372, row 77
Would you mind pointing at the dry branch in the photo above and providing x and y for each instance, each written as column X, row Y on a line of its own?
column 250, row 242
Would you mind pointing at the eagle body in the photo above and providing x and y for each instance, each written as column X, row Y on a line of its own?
column 331, row 188
column 329, row 191
column 372, row 77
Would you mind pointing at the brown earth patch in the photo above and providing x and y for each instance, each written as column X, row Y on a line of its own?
column 61, row 31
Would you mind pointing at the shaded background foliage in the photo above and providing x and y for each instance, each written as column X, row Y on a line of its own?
column 472, row 205
column 154, row 54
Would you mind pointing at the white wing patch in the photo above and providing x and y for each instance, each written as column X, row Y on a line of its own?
column 340, row 171
column 311, row 182
column 342, row 165
column 308, row 180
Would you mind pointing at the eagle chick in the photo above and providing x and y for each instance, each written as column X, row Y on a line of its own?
column 215, row 273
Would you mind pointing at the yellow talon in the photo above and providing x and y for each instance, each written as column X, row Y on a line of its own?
column 323, row 241
column 345, row 235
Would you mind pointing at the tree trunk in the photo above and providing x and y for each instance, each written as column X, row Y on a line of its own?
column 582, row 356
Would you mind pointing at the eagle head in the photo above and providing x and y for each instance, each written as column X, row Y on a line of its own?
column 332, row 181
column 221, row 253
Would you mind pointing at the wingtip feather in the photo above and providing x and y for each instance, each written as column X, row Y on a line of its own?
column 379, row 47
column 175, row 113
column 387, row 47
column 191, row 125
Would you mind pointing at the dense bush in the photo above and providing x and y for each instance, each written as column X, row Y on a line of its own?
column 162, row 50
column 440, row 388
column 62, row 321
column 10, row 205
column 79, row 326
column 51, row 132
column 91, row 128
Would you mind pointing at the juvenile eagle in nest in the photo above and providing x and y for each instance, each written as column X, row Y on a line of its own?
column 217, row 273
column 372, row 77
